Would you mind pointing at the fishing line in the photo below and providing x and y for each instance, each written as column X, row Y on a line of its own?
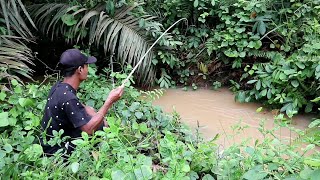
column 134, row 69
column 111, row 64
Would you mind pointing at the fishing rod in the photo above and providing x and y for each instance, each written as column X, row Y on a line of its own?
column 136, row 66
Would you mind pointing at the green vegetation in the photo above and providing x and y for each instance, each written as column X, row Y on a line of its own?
column 15, row 56
column 269, row 48
column 265, row 50
column 141, row 143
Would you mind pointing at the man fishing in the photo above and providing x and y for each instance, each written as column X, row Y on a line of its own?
column 64, row 111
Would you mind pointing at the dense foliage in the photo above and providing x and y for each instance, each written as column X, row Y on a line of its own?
column 271, row 44
column 15, row 56
column 267, row 50
column 141, row 142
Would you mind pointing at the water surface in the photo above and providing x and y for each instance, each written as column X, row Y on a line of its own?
column 217, row 112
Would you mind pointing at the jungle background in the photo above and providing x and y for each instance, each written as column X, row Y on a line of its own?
column 265, row 50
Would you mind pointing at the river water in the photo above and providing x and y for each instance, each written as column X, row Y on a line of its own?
column 216, row 112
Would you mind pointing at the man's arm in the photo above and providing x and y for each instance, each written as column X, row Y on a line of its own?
column 98, row 117
column 92, row 112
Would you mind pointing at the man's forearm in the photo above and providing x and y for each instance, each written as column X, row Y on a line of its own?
column 90, row 111
column 106, row 106
column 97, row 119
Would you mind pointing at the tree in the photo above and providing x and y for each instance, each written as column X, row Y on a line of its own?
column 115, row 29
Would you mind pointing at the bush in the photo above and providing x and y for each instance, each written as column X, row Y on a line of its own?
column 141, row 142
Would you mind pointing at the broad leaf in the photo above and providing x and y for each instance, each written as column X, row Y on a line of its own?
column 144, row 172
column 195, row 3
column 75, row 167
column 207, row 177
column 262, row 28
column 312, row 162
column 138, row 115
column 4, row 119
column 118, row 175
column 69, row 20
column 16, row 56
column 295, row 83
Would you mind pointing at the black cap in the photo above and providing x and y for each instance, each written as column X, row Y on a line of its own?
column 73, row 58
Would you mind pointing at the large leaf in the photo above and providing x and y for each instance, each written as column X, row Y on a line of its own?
column 15, row 57
column 75, row 167
column 48, row 18
column 4, row 119
column 119, row 34
column 13, row 11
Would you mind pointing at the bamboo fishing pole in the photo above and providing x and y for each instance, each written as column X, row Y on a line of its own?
column 139, row 62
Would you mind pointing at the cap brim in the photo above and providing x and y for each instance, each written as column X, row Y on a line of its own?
column 91, row 60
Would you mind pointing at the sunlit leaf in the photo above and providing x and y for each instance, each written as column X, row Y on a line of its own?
column 259, row 109
column 118, row 174
column 295, row 83
column 68, row 19
column 195, row 3
column 143, row 127
column 138, row 115
column 4, row 119
column 315, row 123
column 75, row 167
column 312, row 162
column 8, row 148
column 34, row 152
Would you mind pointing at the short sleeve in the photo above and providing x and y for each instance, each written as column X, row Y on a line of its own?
column 76, row 113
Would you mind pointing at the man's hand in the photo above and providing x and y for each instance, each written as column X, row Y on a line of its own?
column 115, row 94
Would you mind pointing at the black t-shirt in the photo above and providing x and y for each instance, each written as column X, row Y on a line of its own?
column 63, row 111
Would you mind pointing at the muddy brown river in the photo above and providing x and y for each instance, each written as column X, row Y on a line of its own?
column 217, row 112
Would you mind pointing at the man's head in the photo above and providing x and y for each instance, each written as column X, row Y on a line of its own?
column 75, row 63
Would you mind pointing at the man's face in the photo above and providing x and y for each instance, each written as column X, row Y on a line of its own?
column 84, row 72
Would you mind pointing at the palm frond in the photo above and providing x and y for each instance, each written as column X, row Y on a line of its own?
column 12, row 12
column 119, row 34
column 47, row 18
column 15, row 56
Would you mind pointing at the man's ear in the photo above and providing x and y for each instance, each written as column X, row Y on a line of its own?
column 79, row 69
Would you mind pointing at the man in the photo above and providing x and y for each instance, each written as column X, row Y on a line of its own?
column 64, row 110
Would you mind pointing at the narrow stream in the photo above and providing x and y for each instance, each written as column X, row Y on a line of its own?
column 217, row 112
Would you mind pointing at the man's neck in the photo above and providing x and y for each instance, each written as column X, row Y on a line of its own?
column 72, row 81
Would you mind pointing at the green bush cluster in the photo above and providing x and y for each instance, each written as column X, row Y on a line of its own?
column 290, row 80
column 272, row 44
column 287, row 84
column 141, row 142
